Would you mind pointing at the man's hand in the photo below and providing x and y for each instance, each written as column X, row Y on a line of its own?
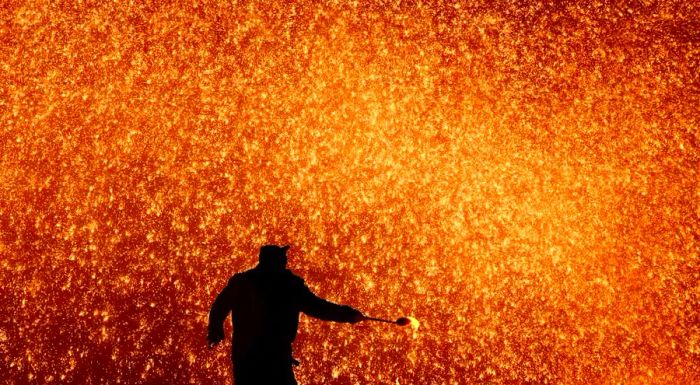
column 213, row 340
column 356, row 315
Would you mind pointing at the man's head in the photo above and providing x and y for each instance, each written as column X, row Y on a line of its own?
column 273, row 256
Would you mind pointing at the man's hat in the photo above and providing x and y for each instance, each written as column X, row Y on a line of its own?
column 273, row 254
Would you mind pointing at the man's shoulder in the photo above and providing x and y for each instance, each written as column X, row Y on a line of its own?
column 294, row 279
column 240, row 277
column 254, row 275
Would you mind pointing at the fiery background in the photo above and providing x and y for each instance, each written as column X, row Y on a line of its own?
column 522, row 177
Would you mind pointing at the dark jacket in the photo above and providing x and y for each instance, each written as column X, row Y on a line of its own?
column 265, row 305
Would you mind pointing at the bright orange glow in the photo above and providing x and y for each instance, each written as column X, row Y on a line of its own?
column 520, row 176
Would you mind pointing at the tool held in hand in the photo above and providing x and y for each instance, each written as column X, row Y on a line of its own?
column 403, row 321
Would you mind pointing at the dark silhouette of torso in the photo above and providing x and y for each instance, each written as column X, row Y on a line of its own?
column 265, row 304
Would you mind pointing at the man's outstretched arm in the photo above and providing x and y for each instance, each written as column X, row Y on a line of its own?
column 317, row 307
column 218, row 313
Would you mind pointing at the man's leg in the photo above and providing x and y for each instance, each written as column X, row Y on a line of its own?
column 256, row 373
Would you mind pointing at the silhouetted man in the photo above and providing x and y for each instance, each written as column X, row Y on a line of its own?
column 265, row 303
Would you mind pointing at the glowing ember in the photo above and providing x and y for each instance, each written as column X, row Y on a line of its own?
column 520, row 176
